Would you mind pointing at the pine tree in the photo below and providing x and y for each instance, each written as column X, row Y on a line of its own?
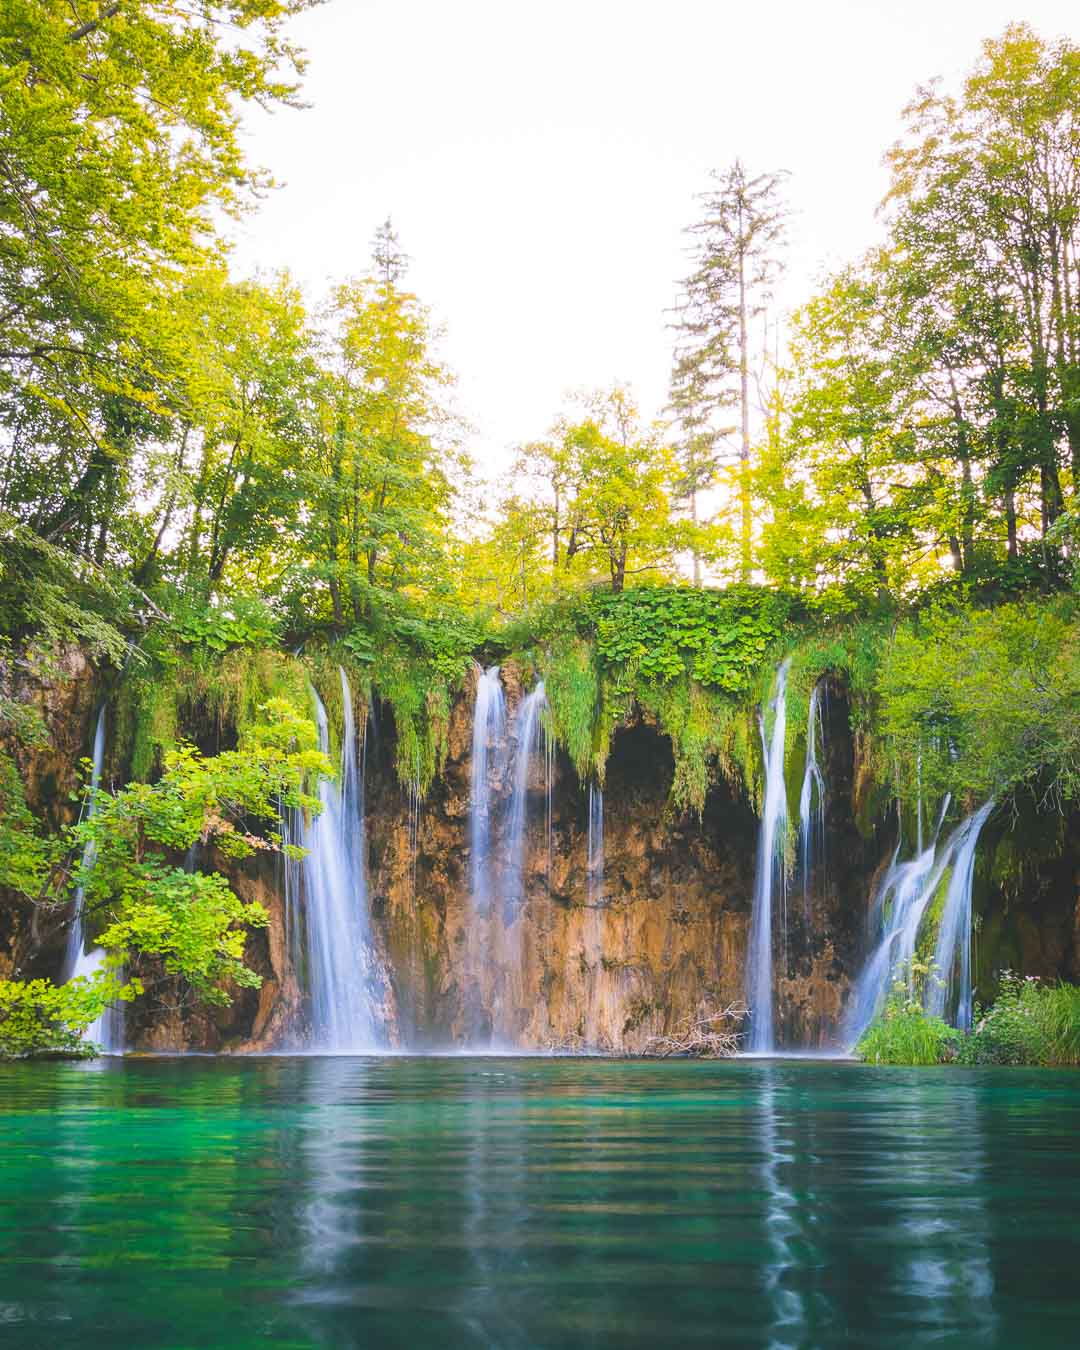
column 737, row 252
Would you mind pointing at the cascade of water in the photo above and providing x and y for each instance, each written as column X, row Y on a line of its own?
column 812, row 800
column 771, row 875
column 108, row 1029
column 489, row 721
column 595, row 860
column 900, row 907
column 593, row 930
column 529, row 732
column 954, row 930
column 340, row 960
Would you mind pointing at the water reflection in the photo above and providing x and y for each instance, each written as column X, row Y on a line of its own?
column 782, row 1221
column 942, row 1280
column 516, row 1203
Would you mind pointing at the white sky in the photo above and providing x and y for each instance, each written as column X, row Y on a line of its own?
column 540, row 162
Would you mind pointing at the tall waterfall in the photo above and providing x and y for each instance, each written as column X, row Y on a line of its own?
column 952, row 952
column 900, row 907
column 340, row 961
column 595, row 859
column 596, row 1033
column 771, row 874
column 489, row 722
column 529, row 735
column 812, row 800
column 108, row 1029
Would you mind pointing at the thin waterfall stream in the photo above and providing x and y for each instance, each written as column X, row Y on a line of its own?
column 108, row 1029
column 771, row 874
column 594, row 920
column 812, row 800
column 900, row 912
column 489, row 724
column 529, row 736
column 342, row 972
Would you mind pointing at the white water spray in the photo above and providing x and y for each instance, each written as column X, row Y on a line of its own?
column 342, row 971
column 108, row 1029
column 900, row 907
column 771, row 876
column 529, row 736
column 812, row 800
column 489, row 723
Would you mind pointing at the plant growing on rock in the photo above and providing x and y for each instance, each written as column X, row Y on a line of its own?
column 140, row 900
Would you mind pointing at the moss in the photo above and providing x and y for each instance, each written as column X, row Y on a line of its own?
column 194, row 693
column 419, row 693
column 702, row 726
column 574, row 696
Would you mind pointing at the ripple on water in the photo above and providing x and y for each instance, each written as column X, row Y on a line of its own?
column 505, row 1202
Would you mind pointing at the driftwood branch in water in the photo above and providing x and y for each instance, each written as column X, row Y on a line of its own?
column 709, row 1037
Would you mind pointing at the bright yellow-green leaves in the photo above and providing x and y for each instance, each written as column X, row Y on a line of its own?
column 142, row 905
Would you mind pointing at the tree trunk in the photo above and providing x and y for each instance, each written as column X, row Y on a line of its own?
column 694, row 553
column 1010, row 521
column 746, row 510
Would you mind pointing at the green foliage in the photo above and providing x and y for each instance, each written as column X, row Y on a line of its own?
column 905, row 1034
column 50, row 599
column 40, row 1018
column 193, row 922
column 1028, row 1023
column 222, row 692
column 143, row 902
column 25, row 854
column 243, row 622
column 988, row 700
column 718, row 638
column 573, row 689
column 418, row 692
column 703, row 725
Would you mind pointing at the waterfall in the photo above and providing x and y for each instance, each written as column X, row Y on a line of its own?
column 954, row 930
column 771, row 875
column 906, row 894
column 340, row 962
column 529, row 732
column 812, row 800
column 108, row 1029
column 593, row 930
column 489, row 722
column 595, row 856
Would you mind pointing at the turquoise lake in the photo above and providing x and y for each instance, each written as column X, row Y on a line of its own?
column 411, row 1202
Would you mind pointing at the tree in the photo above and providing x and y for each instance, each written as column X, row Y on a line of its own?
column 245, row 367
column 118, row 146
column 1009, row 148
column 379, row 482
column 845, row 504
column 738, row 259
column 618, row 513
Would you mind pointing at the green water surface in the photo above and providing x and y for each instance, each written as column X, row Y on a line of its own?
column 532, row 1202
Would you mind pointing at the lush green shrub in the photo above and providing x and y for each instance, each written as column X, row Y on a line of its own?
column 1028, row 1023
column 905, row 1034
column 41, row 1018
column 717, row 637
column 979, row 702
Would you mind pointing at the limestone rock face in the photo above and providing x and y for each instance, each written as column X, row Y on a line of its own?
column 560, row 959
column 567, row 963
column 660, row 941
